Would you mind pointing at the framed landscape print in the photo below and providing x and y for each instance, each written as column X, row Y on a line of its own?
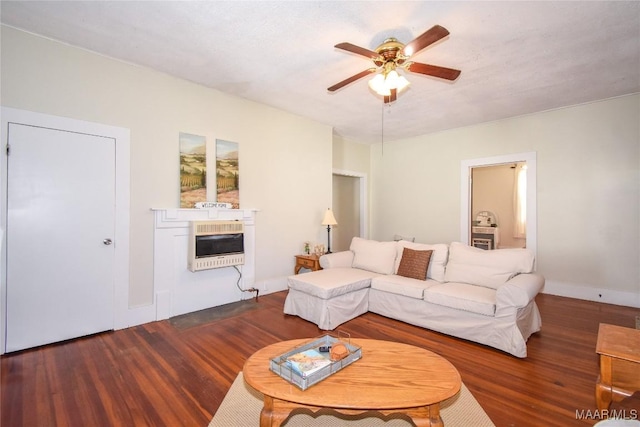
column 193, row 169
column 227, row 173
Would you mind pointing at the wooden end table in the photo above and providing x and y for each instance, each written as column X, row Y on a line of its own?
column 312, row 262
column 389, row 378
column 619, row 350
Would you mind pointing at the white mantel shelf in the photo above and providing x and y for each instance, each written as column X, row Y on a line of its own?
column 180, row 217
column 178, row 290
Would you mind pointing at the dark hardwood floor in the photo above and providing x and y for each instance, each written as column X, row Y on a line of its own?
column 176, row 374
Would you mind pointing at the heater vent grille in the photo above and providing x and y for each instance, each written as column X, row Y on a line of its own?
column 216, row 262
column 219, row 227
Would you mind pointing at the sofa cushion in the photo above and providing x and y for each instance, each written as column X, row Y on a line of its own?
column 371, row 255
column 486, row 268
column 414, row 264
column 400, row 285
column 337, row 259
column 462, row 296
column 327, row 284
column 438, row 257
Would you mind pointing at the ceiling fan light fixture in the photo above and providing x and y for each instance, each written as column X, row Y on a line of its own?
column 377, row 84
column 396, row 81
column 383, row 84
column 402, row 85
column 391, row 79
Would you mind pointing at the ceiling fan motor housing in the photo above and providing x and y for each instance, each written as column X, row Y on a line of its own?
column 389, row 50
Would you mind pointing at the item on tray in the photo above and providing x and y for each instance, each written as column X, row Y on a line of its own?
column 307, row 362
column 338, row 352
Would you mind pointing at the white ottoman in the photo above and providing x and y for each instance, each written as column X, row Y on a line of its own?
column 329, row 297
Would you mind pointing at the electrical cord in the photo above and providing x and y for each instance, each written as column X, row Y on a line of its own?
column 257, row 291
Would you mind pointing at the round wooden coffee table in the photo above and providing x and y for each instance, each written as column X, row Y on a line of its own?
column 389, row 378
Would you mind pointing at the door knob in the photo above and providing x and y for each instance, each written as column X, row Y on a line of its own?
column 107, row 241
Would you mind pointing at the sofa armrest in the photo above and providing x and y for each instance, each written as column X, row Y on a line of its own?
column 519, row 290
column 342, row 259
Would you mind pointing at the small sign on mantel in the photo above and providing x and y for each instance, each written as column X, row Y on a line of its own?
column 209, row 205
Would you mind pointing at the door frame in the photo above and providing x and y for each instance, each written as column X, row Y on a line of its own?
column 363, row 188
column 465, row 193
column 121, row 136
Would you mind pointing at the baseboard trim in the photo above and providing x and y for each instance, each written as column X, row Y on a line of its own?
column 140, row 315
column 160, row 309
column 586, row 292
column 275, row 284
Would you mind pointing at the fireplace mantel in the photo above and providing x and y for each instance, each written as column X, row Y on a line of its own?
column 178, row 290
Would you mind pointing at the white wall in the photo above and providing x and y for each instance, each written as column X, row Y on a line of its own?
column 588, row 181
column 280, row 153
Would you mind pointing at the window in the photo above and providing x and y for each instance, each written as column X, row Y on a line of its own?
column 520, row 202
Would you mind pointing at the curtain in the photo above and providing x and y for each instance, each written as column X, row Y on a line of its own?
column 520, row 202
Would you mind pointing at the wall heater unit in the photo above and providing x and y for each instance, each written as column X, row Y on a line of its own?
column 215, row 244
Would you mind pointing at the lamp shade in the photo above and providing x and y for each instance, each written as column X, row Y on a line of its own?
column 383, row 83
column 377, row 85
column 329, row 219
column 402, row 83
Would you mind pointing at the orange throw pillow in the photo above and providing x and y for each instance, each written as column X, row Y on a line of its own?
column 414, row 264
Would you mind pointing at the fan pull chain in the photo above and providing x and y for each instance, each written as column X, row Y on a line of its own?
column 382, row 126
column 382, row 131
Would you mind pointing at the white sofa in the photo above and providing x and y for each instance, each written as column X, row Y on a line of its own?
column 483, row 296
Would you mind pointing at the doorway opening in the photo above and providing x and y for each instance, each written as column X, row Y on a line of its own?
column 498, row 206
column 468, row 217
column 349, row 201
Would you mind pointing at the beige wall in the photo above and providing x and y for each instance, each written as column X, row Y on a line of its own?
column 588, row 160
column 588, row 181
column 351, row 156
column 280, row 153
column 353, row 159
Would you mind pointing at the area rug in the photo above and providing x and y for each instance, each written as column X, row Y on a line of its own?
column 242, row 405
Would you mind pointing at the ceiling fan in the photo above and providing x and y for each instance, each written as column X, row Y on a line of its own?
column 392, row 54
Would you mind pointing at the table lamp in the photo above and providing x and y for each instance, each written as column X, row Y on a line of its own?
column 329, row 220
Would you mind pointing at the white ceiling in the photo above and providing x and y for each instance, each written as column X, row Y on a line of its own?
column 516, row 57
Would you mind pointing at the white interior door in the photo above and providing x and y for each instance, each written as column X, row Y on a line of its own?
column 60, row 231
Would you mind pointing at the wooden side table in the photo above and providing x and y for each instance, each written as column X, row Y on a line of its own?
column 619, row 350
column 312, row 262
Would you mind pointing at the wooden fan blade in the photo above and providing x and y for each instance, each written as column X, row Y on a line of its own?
column 427, row 38
column 357, row 50
column 351, row 79
column 391, row 98
column 433, row 70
